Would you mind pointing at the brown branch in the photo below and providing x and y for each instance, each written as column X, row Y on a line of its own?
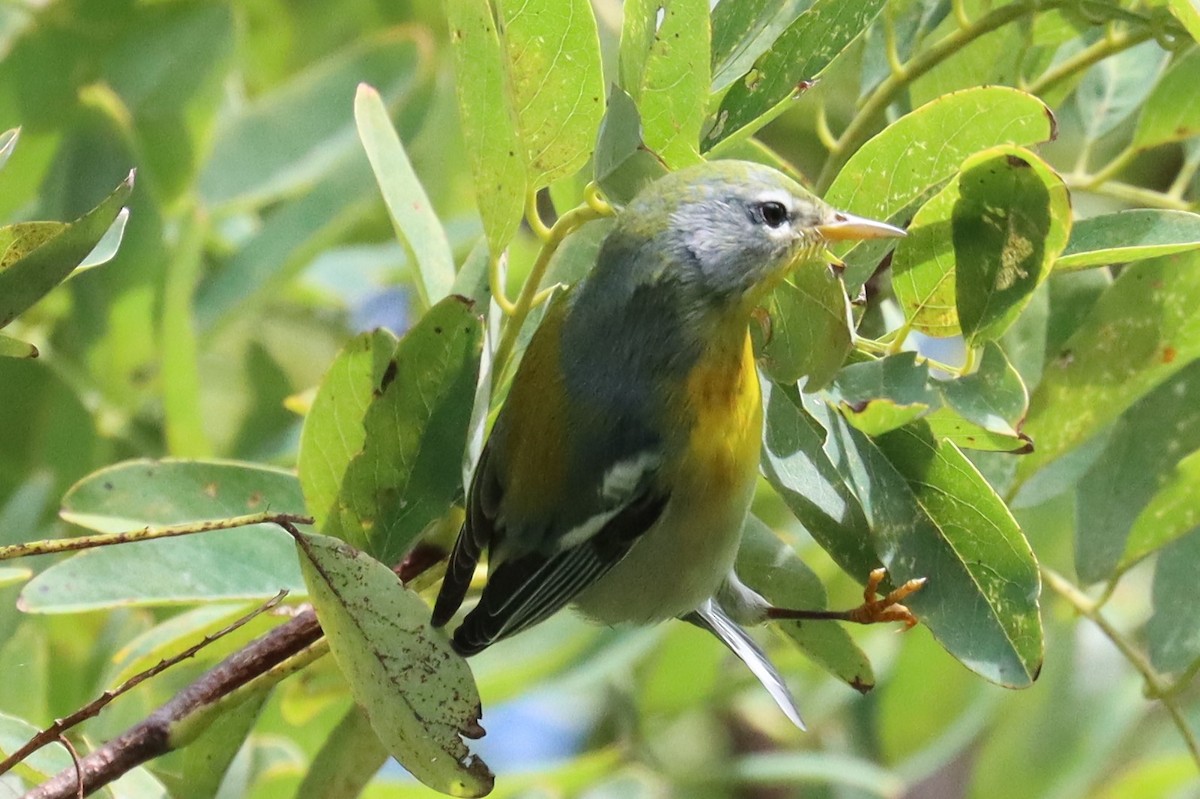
column 55, row 731
column 155, row 735
column 151, row 737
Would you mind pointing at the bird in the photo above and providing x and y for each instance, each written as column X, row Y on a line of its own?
column 619, row 472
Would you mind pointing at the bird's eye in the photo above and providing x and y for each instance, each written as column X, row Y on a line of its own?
column 773, row 214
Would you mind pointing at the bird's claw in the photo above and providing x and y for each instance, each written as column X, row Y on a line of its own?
column 875, row 610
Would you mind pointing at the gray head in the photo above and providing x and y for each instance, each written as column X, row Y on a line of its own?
column 731, row 229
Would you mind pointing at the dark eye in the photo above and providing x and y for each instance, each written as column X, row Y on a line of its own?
column 773, row 214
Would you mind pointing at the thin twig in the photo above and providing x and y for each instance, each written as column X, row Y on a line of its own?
column 56, row 545
column 93, row 708
column 75, row 760
column 1156, row 688
column 154, row 735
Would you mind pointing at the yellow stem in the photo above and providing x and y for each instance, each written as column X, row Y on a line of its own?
column 496, row 281
column 534, row 219
column 1111, row 44
column 527, row 299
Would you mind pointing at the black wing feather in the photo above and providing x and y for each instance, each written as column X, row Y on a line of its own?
column 525, row 590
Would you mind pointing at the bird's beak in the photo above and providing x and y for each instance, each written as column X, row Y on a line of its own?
column 847, row 227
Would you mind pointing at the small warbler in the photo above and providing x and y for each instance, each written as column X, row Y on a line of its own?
column 619, row 472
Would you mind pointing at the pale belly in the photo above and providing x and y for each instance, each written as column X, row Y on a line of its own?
column 675, row 566
column 682, row 560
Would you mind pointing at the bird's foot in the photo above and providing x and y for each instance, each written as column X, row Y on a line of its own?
column 873, row 610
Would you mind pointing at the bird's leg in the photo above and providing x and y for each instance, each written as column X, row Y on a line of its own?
column 872, row 611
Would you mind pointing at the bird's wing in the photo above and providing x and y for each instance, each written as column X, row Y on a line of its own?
column 553, row 521
column 710, row 616
column 524, row 590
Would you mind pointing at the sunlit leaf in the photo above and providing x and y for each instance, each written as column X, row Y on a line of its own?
column 664, row 68
column 412, row 214
column 32, row 265
column 14, row 348
column 1010, row 221
column 926, row 147
column 800, row 53
column 415, row 428
column 333, row 432
column 882, row 395
column 418, row 694
column 1131, row 235
column 1188, row 14
column 743, row 31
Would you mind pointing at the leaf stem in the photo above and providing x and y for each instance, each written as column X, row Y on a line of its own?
column 148, row 533
column 1111, row 44
column 496, row 282
column 859, row 129
column 1186, row 172
column 824, row 134
column 1119, row 162
column 534, row 219
column 1156, row 688
column 594, row 208
column 1135, row 195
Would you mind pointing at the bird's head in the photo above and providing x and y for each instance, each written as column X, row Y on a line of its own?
column 732, row 229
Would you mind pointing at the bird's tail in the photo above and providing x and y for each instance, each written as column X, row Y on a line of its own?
column 712, row 617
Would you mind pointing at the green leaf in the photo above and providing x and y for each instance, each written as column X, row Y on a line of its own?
column 933, row 515
column 801, row 464
column 1170, row 515
column 302, row 132
column 246, row 563
column 1172, row 112
column 410, row 467
column 555, row 80
column 882, row 395
column 33, row 264
column 197, row 770
column 289, row 235
column 1154, row 776
column 669, row 77
column 333, row 432
column 11, row 575
column 801, row 53
column 623, row 165
column 1188, row 14
column 1173, row 631
column 416, row 224
column 923, row 268
column 1140, row 460
column 1010, row 221
column 993, row 396
column 106, row 249
column 184, row 422
column 769, row 566
column 743, row 31
column 1113, row 88
column 925, row 147
column 350, row 758
column 489, row 124
column 1140, row 332
column 1130, row 235
column 810, row 333
column 8, row 143
column 418, row 694
column 14, row 348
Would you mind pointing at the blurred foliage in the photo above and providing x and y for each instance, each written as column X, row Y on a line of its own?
column 260, row 323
